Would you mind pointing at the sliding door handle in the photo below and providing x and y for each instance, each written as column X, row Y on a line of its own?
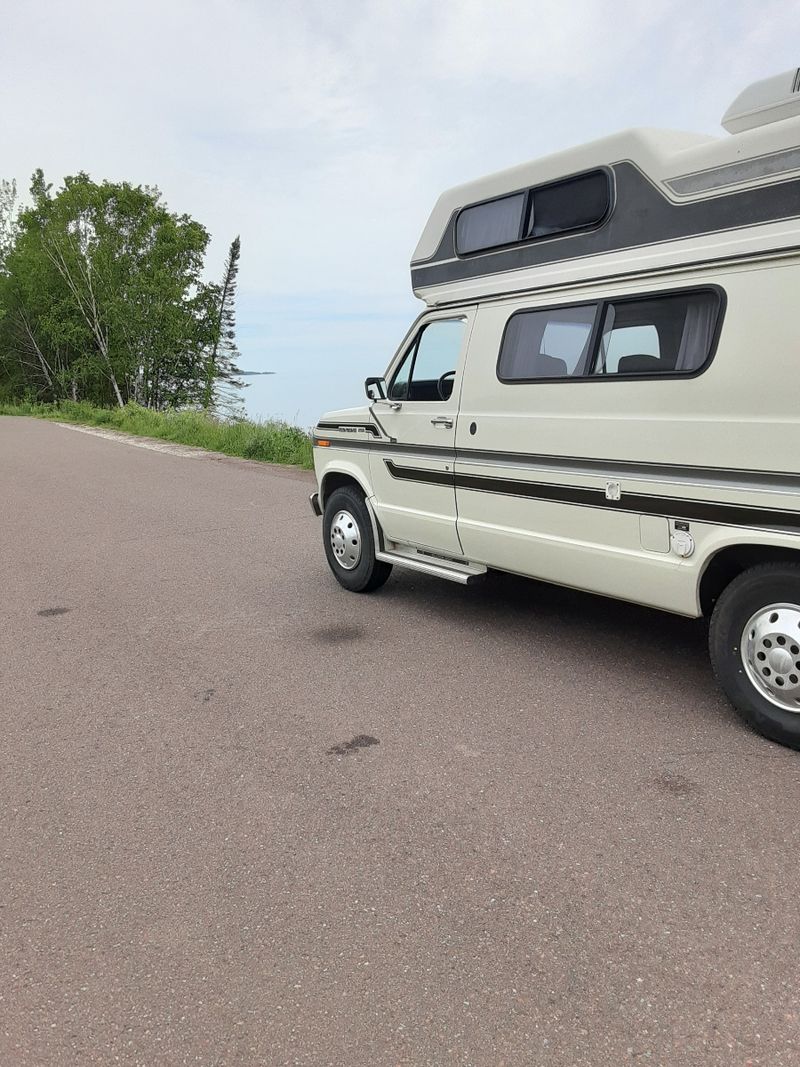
column 443, row 420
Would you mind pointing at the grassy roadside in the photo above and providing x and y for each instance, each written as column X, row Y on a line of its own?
column 271, row 442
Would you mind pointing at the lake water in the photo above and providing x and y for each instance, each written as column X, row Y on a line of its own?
column 320, row 353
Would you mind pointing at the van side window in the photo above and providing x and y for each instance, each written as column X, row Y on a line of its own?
column 659, row 335
column 638, row 337
column 546, row 344
column 427, row 370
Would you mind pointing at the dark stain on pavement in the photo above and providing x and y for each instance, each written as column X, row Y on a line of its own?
column 677, row 784
column 346, row 747
column 207, row 695
column 48, row 613
column 336, row 635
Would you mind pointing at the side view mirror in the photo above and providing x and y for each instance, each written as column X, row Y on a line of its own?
column 375, row 388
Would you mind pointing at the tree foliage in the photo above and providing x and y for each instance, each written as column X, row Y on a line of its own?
column 104, row 300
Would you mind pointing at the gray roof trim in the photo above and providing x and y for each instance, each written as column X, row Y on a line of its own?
column 643, row 216
column 746, row 170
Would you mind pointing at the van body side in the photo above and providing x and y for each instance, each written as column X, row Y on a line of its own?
column 603, row 393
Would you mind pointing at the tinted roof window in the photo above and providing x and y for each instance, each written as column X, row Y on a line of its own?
column 498, row 222
column 570, row 205
column 559, row 207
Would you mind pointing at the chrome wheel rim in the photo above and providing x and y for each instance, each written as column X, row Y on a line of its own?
column 345, row 540
column 770, row 650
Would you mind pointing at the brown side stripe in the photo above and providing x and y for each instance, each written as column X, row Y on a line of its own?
column 640, row 503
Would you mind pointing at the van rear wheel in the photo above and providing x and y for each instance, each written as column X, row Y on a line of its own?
column 350, row 543
column 754, row 642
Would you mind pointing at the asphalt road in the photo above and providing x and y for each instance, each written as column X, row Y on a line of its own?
column 249, row 818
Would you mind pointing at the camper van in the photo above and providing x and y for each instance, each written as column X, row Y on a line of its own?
column 603, row 391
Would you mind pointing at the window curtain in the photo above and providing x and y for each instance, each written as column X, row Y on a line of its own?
column 698, row 331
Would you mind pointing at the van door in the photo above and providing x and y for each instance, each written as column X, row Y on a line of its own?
column 549, row 436
column 583, row 430
column 412, row 467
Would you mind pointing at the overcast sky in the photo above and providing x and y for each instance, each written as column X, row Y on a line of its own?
column 322, row 131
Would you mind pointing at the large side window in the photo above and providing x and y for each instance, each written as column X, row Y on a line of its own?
column 427, row 370
column 658, row 335
column 546, row 344
column 637, row 336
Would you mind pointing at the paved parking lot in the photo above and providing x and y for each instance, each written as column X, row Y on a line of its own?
column 247, row 818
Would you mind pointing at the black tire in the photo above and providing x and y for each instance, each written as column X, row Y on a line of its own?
column 755, row 589
column 368, row 573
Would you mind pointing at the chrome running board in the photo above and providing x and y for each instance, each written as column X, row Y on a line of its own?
column 454, row 570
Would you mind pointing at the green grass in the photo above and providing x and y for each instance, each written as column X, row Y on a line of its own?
column 271, row 442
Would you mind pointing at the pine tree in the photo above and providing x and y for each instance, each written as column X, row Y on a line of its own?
column 223, row 384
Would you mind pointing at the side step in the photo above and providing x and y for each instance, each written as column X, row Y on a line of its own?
column 455, row 570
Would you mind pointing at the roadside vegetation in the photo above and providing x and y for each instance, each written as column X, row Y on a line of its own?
column 272, row 442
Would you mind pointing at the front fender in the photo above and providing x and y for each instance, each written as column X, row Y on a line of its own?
column 332, row 466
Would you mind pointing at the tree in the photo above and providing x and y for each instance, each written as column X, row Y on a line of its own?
column 222, row 384
column 8, row 219
column 24, row 370
column 8, row 228
column 105, row 298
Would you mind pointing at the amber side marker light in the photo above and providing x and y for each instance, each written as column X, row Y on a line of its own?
column 322, row 444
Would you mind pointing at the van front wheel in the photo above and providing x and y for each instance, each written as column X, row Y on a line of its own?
column 754, row 641
column 350, row 543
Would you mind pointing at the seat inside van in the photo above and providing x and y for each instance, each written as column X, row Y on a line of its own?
column 544, row 366
column 643, row 364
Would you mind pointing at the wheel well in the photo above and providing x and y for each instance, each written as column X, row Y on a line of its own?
column 728, row 563
column 336, row 480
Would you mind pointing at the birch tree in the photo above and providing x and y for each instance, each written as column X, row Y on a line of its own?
column 8, row 219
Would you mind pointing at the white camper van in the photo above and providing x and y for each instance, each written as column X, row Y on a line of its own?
column 603, row 391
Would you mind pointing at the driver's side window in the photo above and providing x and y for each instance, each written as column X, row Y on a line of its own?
column 427, row 370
